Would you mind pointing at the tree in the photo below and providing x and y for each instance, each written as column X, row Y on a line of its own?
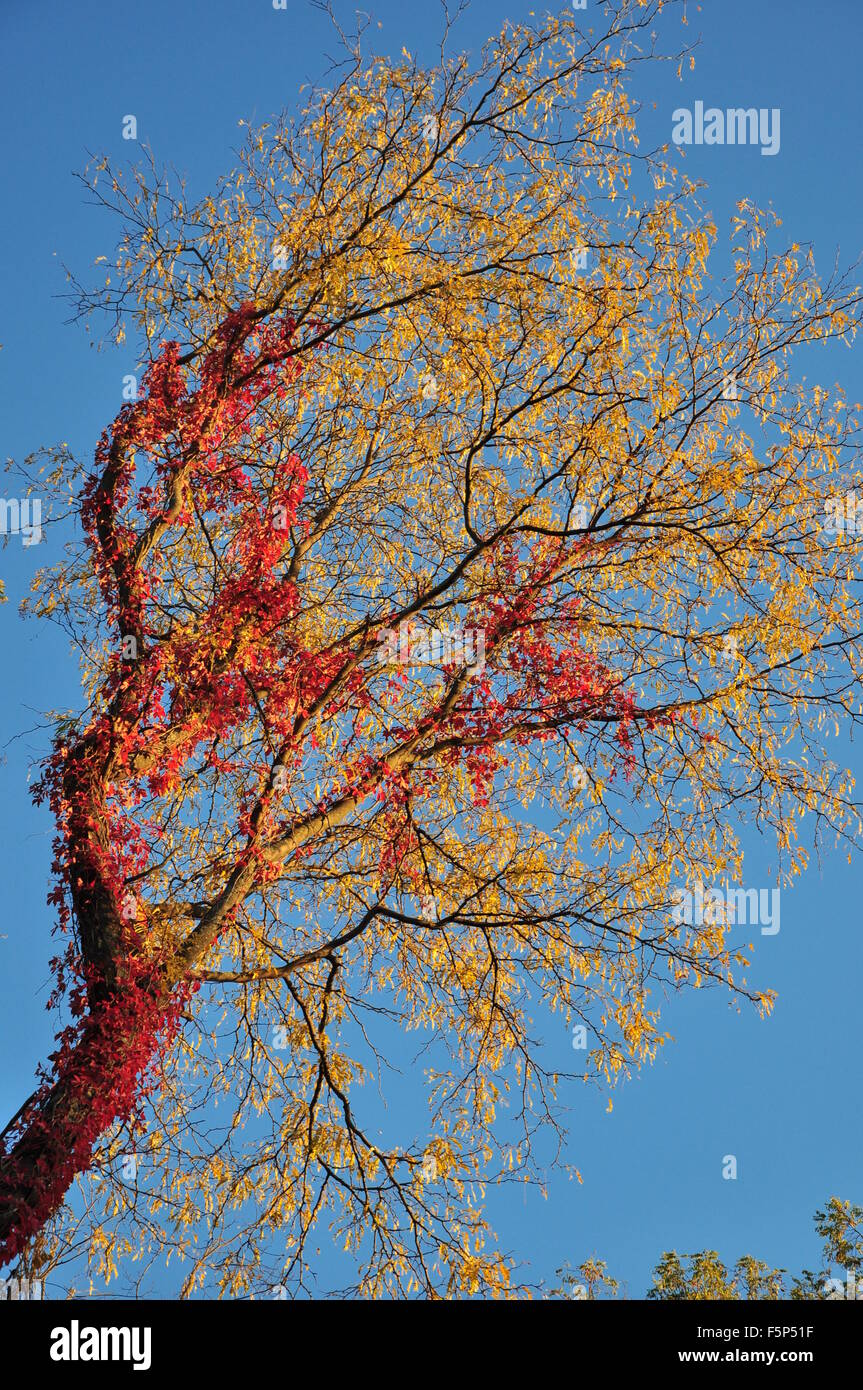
column 589, row 1281
column 409, row 589
column 708, row 1278
column 840, row 1226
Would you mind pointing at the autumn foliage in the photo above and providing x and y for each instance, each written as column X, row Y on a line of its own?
column 384, row 388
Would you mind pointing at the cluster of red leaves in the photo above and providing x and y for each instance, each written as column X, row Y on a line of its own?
column 122, row 999
column 537, row 680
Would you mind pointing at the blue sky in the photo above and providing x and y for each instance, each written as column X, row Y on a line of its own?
column 781, row 1094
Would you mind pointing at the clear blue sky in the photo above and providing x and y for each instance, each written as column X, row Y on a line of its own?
column 781, row 1095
